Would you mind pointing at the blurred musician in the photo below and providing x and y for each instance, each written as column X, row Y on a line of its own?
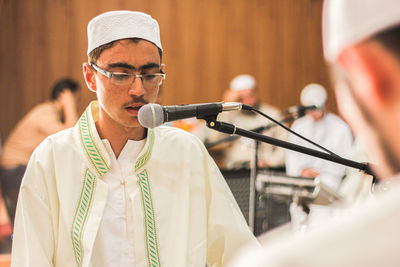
column 238, row 153
column 327, row 130
column 323, row 128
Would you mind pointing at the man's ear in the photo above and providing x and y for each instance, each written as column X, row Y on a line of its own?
column 88, row 74
column 369, row 66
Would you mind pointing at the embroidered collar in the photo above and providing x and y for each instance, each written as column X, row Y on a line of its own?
column 94, row 147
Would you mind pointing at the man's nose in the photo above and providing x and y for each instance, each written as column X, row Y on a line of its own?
column 136, row 87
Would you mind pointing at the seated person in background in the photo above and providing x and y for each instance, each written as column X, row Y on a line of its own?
column 238, row 153
column 44, row 119
column 329, row 131
column 325, row 129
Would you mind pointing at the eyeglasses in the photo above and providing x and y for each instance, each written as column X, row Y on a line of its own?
column 121, row 79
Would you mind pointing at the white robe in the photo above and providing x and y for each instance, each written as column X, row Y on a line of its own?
column 183, row 210
column 330, row 132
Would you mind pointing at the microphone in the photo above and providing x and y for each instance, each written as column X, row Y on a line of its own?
column 153, row 115
column 299, row 110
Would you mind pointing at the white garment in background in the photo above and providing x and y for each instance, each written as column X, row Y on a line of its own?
column 330, row 132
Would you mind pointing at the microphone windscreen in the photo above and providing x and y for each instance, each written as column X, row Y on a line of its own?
column 151, row 115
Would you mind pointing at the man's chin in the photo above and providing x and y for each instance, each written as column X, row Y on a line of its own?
column 132, row 122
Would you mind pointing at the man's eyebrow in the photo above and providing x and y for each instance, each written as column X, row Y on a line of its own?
column 150, row 65
column 129, row 66
column 121, row 65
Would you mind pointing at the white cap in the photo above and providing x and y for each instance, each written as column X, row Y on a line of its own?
column 313, row 94
column 243, row 82
column 348, row 22
column 123, row 24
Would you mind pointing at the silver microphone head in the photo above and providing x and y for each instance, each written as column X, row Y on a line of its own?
column 151, row 115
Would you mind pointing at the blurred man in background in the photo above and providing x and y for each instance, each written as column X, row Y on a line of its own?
column 238, row 153
column 362, row 47
column 47, row 118
column 327, row 130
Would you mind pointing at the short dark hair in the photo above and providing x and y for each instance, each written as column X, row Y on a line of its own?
column 390, row 39
column 95, row 53
column 63, row 84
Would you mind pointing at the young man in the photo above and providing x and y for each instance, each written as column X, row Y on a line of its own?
column 362, row 46
column 111, row 193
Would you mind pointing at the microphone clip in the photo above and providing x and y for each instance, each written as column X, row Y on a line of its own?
column 220, row 126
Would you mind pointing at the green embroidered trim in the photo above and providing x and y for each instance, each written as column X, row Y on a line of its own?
column 81, row 214
column 92, row 151
column 140, row 162
column 149, row 221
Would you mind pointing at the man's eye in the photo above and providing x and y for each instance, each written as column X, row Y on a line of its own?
column 150, row 77
column 120, row 76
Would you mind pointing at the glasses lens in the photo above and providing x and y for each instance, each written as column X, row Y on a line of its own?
column 151, row 80
column 122, row 79
column 126, row 80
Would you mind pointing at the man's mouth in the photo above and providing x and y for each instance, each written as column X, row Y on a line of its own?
column 134, row 109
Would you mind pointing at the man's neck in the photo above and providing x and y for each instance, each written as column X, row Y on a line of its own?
column 118, row 136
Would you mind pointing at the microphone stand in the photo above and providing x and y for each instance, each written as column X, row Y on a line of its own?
column 258, row 129
column 252, row 193
column 231, row 129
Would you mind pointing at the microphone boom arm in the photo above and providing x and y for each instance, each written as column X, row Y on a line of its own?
column 258, row 129
column 231, row 129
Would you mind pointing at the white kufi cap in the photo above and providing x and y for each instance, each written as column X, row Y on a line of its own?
column 313, row 94
column 243, row 82
column 123, row 24
column 348, row 22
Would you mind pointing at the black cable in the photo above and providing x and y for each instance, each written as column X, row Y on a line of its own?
column 247, row 107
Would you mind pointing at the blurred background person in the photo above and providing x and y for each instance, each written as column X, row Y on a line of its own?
column 238, row 153
column 46, row 118
column 324, row 128
column 327, row 130
column 5, row 226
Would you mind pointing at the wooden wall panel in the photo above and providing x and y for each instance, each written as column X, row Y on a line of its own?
column 206, row 43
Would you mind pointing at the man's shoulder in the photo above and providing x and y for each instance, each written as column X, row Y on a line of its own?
column 271, row 110
column 43, row 108
column 63, row 138
column 303, row 122
column 333, row 119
